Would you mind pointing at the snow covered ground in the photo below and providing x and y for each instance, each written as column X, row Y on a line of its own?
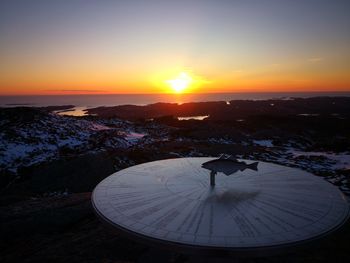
column 51, row 136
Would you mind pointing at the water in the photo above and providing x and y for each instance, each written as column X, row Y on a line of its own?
column 198, row 118
column 91, row 101
column 76, row 111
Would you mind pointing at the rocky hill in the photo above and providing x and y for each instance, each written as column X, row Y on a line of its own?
column 30, row 136
column 49, row 164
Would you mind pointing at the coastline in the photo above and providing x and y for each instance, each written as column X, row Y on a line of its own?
column 97, row 100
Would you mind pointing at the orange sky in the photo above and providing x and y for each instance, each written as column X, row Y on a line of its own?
column 125, row 47
column 310, row 74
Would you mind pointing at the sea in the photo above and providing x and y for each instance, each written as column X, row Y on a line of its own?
column 82, row 102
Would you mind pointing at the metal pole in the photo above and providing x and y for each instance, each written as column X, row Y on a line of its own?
column 212, row 178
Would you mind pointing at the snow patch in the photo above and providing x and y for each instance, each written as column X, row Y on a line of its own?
column 341, row 160
column 134, row 136
column 264, row 143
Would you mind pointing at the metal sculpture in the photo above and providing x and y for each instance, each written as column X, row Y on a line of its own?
column 228, row 165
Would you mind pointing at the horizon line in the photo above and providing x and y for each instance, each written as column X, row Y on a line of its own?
column 175, row 94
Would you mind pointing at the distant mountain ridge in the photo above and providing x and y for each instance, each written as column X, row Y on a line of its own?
column 221, row 110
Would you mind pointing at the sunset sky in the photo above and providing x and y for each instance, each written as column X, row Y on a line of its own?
column 111, row 46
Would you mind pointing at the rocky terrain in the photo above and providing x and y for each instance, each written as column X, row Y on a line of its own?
column 50, row 163
column 231, row 110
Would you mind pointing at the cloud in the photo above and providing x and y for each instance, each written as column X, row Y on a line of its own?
column 315, row 59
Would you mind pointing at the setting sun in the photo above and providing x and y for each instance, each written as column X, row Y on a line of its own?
column 180, row 83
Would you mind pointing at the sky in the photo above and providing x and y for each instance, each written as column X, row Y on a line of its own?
column 138, row 46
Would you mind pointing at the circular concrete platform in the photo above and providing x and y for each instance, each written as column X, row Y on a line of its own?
column 171, row 201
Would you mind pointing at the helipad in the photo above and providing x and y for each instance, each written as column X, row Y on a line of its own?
column 171, row 201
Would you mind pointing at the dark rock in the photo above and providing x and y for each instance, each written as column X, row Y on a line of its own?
column 79, row 174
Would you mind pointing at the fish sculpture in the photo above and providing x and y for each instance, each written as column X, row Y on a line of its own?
column 227, row 165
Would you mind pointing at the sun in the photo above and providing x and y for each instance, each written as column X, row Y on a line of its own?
column 180, row 83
